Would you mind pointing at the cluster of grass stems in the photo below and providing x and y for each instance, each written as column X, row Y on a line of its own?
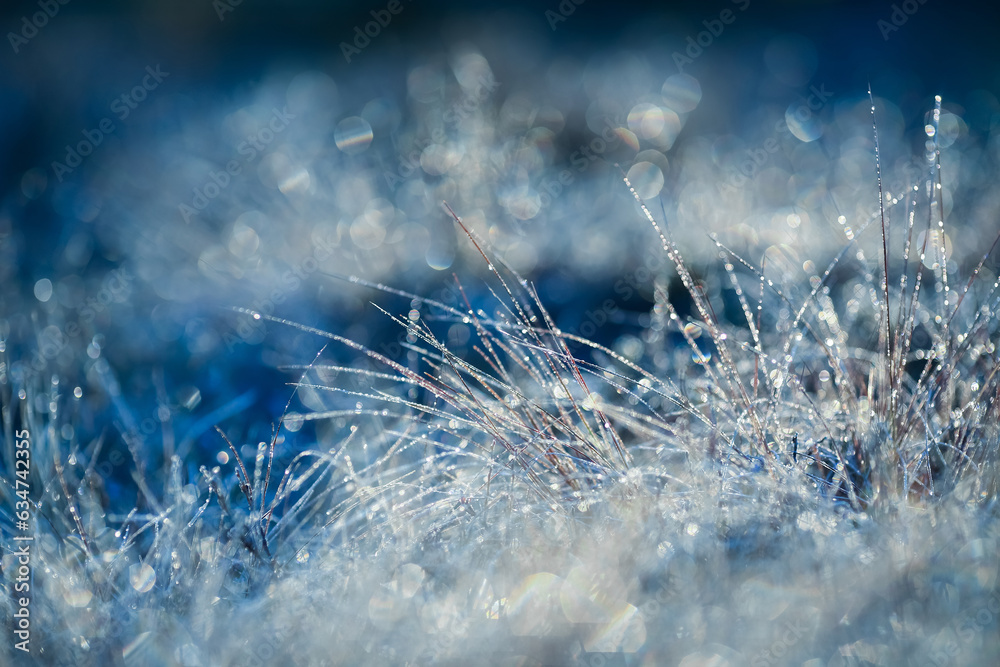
column 486, row 470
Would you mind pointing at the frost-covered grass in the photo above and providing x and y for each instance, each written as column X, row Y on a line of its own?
column 805, row 475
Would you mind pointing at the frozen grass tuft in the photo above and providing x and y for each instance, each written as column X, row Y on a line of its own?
column 810, row 481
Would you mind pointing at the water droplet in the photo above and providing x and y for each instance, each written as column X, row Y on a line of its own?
column 142, row 577
column 693, row 330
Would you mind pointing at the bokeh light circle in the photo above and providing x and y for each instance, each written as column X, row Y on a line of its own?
column 681, row 92
column 353, row 135
column 646, row 178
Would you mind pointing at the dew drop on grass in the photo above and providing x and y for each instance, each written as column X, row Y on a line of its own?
column 293, row 422
column 142, row 577
column 77, row 596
